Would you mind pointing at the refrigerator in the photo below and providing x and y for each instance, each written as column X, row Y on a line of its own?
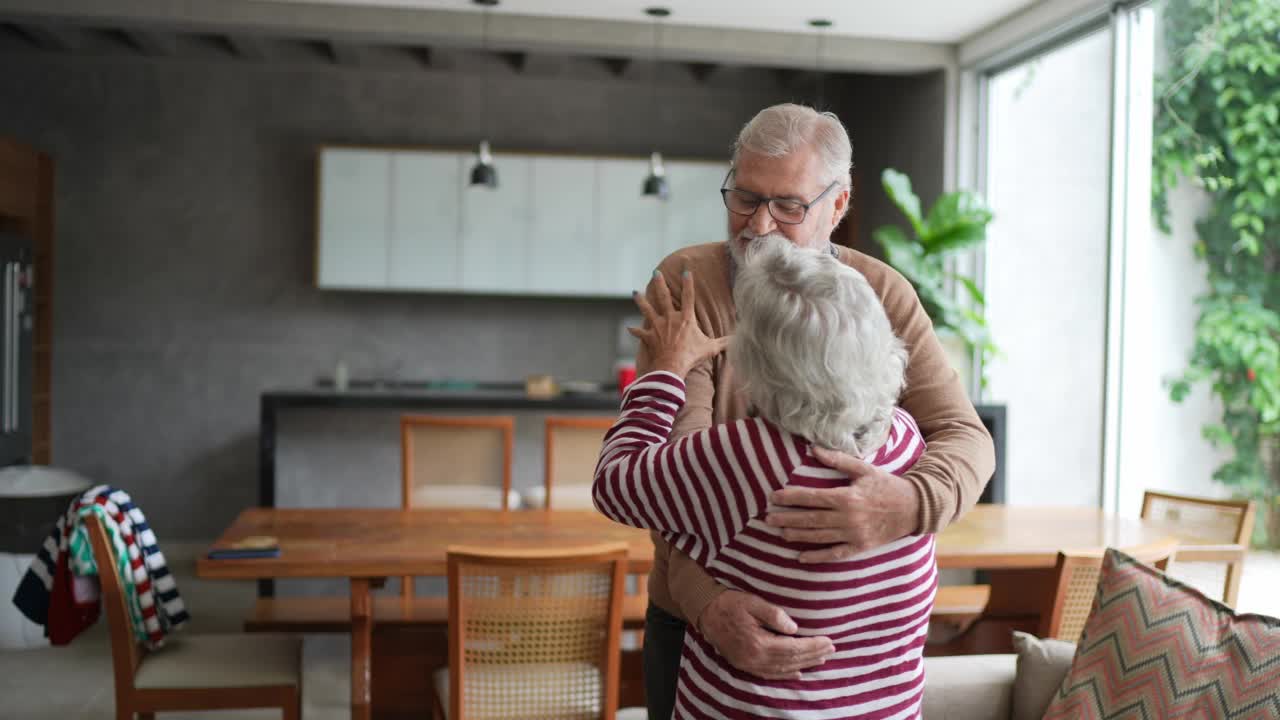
column 17, row 307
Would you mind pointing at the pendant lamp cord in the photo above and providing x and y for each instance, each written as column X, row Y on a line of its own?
column 653, row 81
column 484, row 81
column 822, row 36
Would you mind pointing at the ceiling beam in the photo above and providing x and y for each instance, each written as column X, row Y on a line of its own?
column 424, row 55
column 344, row 53
column 154, row 43
column 616, row 66
column 545, row 65
column 701, row 71
column 54, row 37
column 248, row 48
column 449, row 28
column 514, row 60
column 787, row 77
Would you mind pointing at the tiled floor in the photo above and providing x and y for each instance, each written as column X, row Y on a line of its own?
column 74, row 682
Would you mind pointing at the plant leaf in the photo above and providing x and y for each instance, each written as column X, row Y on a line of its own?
column 898, row 187
column 971, row 287
column 958, row 220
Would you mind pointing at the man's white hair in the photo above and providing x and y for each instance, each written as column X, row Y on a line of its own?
column 782, row 129
column 814, row 347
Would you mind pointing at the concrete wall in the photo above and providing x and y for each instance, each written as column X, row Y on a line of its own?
column 185, row 226
column 900, row 125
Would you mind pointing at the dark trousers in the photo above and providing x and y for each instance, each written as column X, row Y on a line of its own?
column 663, row 641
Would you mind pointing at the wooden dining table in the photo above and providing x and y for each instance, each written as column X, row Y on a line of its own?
column 1016, row 546
column 366, row 546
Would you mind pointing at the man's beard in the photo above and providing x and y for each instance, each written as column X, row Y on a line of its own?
column 740, row 247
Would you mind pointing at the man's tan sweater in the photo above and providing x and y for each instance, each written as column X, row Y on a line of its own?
column 948, row 478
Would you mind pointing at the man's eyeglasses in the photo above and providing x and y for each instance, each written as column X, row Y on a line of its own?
column 787, row 211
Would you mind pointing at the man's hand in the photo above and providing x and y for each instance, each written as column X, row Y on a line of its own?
column 875, row 509
column 744, row 629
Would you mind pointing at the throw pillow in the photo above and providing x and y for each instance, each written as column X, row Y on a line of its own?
column 1042, row 665
column 1155, row 648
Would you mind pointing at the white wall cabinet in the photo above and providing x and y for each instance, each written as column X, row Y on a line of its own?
column 695, row 187
column 561, row 256
column 426, row 198
column 629, row 237
column 555, row 225
column 355, row 192
column 495, row 229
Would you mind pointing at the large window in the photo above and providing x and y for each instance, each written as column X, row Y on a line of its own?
column 1048, row 164
column 1092, row 307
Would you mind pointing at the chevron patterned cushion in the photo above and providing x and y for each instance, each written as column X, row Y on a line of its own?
column 1154, row 648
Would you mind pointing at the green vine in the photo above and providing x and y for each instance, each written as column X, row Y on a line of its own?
column 1218, row 126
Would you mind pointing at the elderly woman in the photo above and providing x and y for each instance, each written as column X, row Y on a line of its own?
column 822, row 368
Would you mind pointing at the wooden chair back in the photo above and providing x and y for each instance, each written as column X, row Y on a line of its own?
column 126, row 653
column 1076, row 584
column 537, row 630
column 1220, row 522
column 572, row 448
column 455, row 452
column 450, row 461
column 1223, row 521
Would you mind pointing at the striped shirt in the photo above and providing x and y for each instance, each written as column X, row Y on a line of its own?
column 152, row 597
column 708, row 494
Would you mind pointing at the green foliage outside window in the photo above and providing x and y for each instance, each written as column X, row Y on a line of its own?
column 1218, row 126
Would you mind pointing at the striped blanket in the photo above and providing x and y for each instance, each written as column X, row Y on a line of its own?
column 56, row 591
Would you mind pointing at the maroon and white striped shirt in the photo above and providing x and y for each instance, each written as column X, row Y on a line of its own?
column 708, row 494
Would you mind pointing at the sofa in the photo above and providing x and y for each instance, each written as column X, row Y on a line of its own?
column 969, row 687
column 1151, row 647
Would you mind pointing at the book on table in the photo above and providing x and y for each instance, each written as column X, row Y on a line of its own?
column 254, row 546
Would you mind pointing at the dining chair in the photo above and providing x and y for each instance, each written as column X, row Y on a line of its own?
column 533, row 634
column 193, row 672
column 455, row 462
column 571, row 450
column 1217, row 532
column 1076, row 582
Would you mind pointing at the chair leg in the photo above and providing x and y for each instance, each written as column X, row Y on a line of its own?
column 1231, row 592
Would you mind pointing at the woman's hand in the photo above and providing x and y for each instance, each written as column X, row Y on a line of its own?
column 674, row 340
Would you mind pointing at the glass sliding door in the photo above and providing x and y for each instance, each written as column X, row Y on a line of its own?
column 1047, row 170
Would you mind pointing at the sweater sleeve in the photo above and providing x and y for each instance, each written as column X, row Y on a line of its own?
column 699, row 491
column 951, row 474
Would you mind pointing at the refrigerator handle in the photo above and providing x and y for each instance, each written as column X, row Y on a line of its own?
column 15, row 345
column 8, row 346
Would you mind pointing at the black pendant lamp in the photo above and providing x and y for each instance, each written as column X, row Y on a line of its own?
column 483, row 173
column 655, row 184
column 821, row 25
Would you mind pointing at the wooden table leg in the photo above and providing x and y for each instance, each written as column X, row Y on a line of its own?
column 361, row 649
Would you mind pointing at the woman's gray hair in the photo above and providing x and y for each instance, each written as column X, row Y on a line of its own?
column 781, row 129
column 814, row 347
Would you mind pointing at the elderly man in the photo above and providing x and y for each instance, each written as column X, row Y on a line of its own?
column 790, row 178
